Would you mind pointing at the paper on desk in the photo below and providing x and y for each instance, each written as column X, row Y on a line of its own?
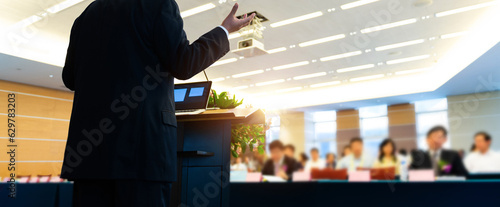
column 421, row 175
column 273, row 179
column 238, row 176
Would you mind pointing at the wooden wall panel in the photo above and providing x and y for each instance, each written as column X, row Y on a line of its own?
column 42, row 121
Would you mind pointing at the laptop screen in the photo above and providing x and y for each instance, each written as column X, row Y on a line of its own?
column 192, row 95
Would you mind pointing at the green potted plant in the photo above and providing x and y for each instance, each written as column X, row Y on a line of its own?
column 223, row 101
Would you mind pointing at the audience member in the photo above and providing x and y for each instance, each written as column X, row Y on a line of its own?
column 279, row 164
column 238, row 165
column 346, row 151
column 330, row 161
column 303, row 158
column 444, row 162
column 357, row 158
column 315, row 162
column 387, row 156
column 290, row 152
column 483, row 160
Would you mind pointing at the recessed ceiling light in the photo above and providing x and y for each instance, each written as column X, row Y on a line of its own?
column 255, row 72
column 297, row 19
column 398, row 45
column 270, row 82
column 356, row 4
column 452, row 35
column 218, row 79
column 281, row 67
column 197, row 10
column 467, row 8
column 388, row 26
column 403, row 72
column 288, row 89
column 51, row 76
column 62, row 6
column 312, row 75
column 325, row 84
column 322, row 40
column 339, row 56
column 408, row 59
column 359, row 67
column 279, row 49
column 366, row 78
column 225, row 61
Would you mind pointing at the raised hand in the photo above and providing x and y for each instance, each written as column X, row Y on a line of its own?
column 233, row 24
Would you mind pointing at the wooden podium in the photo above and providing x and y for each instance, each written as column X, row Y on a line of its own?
column 203, row 155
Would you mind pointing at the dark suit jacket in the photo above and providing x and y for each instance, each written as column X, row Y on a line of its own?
column 422, row 160
column 290, row 163
column 121, row 62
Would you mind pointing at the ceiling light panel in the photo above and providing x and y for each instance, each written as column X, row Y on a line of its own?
column 408, row 59
column 355, row 68
column 398, row 45
column 388, row 26
column 255, row 72
column 197, row 10
column 465, row 9
column 339, row 56
column 312, row 75
column 297, row 19
column 322, row 40
column 292, row 65
column 356, row 4
column 270, row 82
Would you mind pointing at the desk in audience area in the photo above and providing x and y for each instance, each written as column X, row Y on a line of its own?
column 319, row 193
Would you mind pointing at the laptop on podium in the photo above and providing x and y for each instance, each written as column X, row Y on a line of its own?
column 191, row 98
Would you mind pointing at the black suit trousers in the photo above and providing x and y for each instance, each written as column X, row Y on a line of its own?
column 121, row 193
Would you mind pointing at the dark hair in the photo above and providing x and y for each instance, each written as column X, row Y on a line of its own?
column 437, row 128
column 304, row 156
column 473, row 148
column 276, row 144
column 403, row 152
column 355, row 139
column 345, row 147
column 314, row 149
column 328, row 154
column 486, row 136
column 381, row 149
column 290, row 146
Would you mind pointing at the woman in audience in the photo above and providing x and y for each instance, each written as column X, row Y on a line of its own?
column 303, row 158
column 387, row 156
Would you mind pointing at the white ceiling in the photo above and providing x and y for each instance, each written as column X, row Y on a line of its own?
column 46, row 42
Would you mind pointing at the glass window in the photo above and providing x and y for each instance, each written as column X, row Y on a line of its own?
column 273, row 133
column 374, row 127
column 325, row 133
column 430, row 113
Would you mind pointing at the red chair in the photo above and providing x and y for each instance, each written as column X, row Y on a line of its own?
column 43, row 178
column 23, row 178
column 328, row 174
column 388, row 173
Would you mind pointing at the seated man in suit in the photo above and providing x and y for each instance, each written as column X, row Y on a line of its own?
column 279, row 164
column 444, row 162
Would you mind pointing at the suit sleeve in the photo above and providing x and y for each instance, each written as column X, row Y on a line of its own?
column 181, row 59
column 459, row 165
column 68, row 74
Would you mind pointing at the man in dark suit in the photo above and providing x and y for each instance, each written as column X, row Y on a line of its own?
column 444, row 162
column 121, row 62
column 279, row 164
